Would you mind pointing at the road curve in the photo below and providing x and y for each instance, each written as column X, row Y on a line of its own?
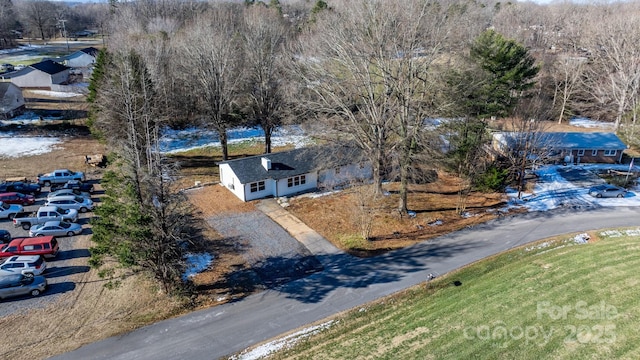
column 346, row 282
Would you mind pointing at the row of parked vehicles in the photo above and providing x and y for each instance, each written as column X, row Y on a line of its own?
column 22, row 259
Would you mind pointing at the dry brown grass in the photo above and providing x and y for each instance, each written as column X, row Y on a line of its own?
column 331, row 215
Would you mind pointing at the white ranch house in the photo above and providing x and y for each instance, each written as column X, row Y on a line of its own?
column 292, row 172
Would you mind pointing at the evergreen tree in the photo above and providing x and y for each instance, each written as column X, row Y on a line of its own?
column 508, row 70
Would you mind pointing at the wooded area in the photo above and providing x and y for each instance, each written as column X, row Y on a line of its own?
column 375, row 73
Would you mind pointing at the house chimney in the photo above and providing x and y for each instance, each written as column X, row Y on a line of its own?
column 266, row 164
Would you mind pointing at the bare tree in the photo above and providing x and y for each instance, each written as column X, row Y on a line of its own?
column 40, row 16
column 7, row 23
column 212, row 64
column 264, row 35
column 566, row 72
column 615, row 69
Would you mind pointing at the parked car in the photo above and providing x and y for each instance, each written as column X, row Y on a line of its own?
column 8, row 211
column 73, row 184
column 21, row 264
column 17, row 285
column 21, row 187
column 56, row 228
column 607, row 191
column 46, row 246
column 17, row 198
column 44, row 214
column 59, row 176
column 74, row 192
column 5, row 236
column 71, row 202
column 6, row 67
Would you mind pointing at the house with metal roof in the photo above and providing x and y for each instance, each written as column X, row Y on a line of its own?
column 569, row 147
column 82, row 58
column 40, row 75
column 11, row 100
column 293, row 172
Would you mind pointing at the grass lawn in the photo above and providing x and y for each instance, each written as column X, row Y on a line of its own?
column 556, row 299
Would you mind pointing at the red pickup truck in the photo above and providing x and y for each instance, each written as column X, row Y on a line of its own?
column 47, row 246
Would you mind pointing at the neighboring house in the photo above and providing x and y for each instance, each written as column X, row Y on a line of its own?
column 40, row 75
column 292, row 172
column 569, row 147
column 82, row 58
column 11, row 100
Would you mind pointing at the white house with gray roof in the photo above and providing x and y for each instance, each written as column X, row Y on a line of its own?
column 570, row 147
column 292, row 172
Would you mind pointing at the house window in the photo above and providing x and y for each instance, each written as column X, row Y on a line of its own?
column 594, row 152
column 296, row 181
column 581, row 152
column 610, row 152
column 257, row 186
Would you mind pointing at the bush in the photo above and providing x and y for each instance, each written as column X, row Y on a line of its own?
column 493, row 179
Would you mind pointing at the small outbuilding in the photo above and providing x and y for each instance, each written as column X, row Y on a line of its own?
column 292, row 172
column 11, row 100
column 40, row 75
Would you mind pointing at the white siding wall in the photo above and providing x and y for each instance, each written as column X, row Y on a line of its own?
column 284, row 189
column 12, row 100
column 269, row 190
column 80, row 60
column 229, row 180
column 33, row 79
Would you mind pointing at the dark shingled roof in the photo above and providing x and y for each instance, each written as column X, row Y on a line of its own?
column 4, row 86
column 49, row 66
column 286, row 164
column 91, row 51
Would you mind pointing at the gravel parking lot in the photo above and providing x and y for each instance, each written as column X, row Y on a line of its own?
column 274, row 255
column 58, row 270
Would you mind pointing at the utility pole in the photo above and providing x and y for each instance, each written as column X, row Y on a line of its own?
column 64, row 30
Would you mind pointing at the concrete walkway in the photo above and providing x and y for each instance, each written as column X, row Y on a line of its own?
column 314, row 242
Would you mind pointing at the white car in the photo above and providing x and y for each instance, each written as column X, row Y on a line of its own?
column 71, row 202
column 21, row 264
column 55, row 228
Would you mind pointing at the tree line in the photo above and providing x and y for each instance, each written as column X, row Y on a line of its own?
column 372, row 73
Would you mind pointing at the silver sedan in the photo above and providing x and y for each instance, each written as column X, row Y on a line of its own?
column 55, row 228
column 607, row 191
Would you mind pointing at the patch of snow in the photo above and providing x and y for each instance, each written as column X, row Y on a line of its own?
column 632, row 232
column 279, row 344
column 58, row 94
column 17, row 146
column 436, row 223
column 588, row 123
column 196, row 263
column 175, row 141
column 553, row 191
column 581, row 238
column 28, row 117
column 321, row 194
column 411, row 214
column 611, row 233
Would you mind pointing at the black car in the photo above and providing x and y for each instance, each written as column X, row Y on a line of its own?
column 20, row 187
column 5, row 236
column 73, row 184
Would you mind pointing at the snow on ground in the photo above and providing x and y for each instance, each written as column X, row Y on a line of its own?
column 16, row 146
column 196, row 263
column 279, row 344
column 552, row 190
column 28, row 117
column 174, row 141
column 588, row 123
column 58, row 94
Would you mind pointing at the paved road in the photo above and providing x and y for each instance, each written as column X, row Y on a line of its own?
column 347, row 283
